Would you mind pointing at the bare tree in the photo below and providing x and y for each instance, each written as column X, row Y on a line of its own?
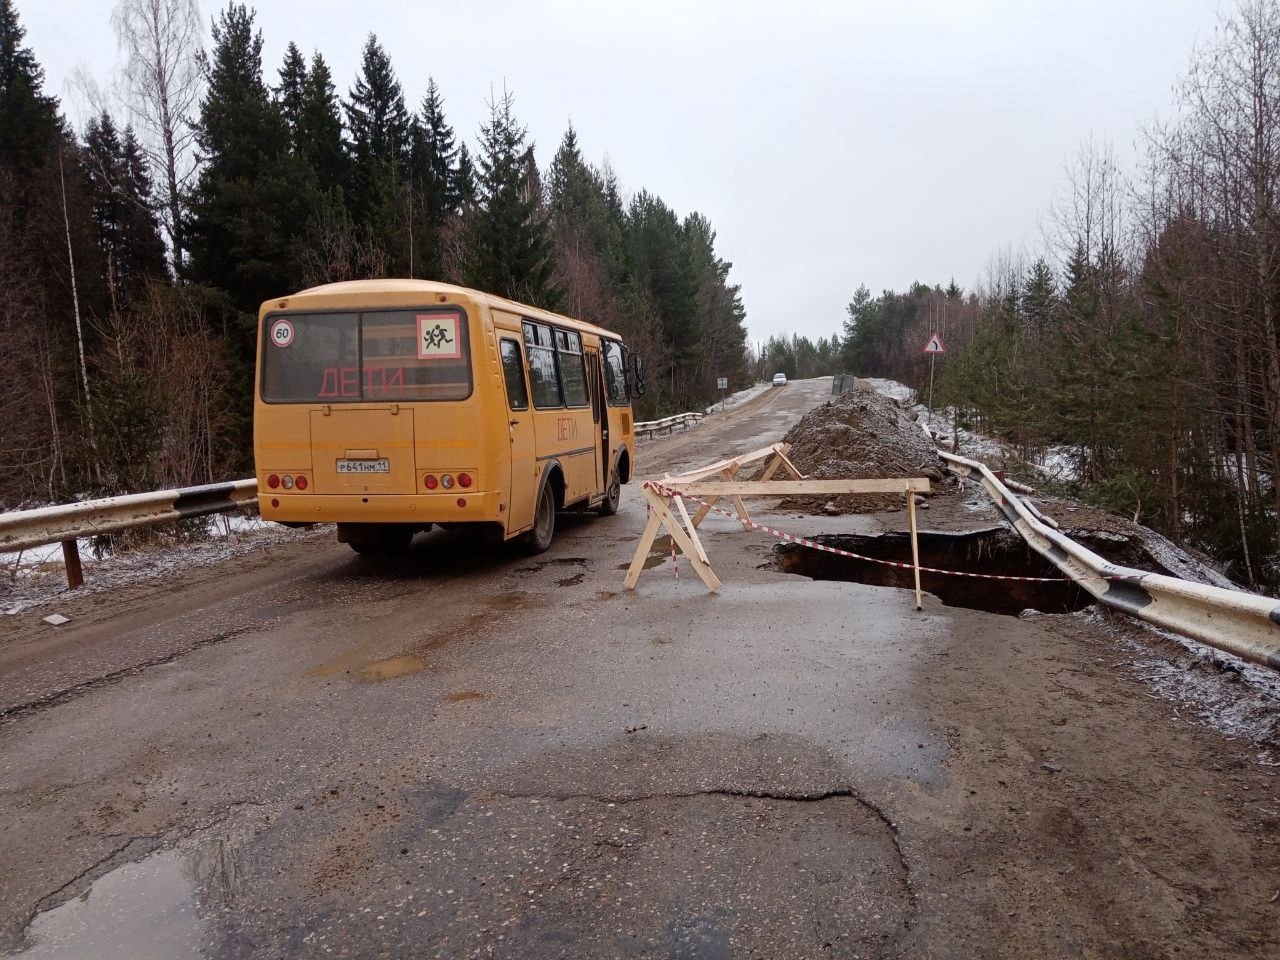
column 162, row 85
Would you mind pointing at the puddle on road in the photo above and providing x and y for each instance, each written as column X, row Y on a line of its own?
column 140, row 911
column 659, row 554
column 462, row 696
column 392, row 667
column 361, row 661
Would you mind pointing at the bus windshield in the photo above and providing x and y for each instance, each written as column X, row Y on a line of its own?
column 405, row 355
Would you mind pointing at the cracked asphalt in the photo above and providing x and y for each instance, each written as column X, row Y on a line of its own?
column 473, row 753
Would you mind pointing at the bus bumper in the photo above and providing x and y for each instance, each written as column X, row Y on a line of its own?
column 456, row 506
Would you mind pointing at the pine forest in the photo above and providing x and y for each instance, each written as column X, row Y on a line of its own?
column 135, row 253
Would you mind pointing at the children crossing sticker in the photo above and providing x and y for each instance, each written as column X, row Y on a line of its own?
column 438, row 337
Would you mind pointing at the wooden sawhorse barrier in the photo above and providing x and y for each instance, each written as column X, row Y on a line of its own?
column 666, row 497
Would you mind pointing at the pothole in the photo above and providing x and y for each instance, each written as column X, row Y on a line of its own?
column 997, row 551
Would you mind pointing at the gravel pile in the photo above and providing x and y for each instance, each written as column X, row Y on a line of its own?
column 860, row 435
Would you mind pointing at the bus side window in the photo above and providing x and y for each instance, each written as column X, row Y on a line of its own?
column 513, row 373
column 542, row 366
column 573, row 372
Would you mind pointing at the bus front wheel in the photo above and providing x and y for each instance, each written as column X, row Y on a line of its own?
column 544, row 522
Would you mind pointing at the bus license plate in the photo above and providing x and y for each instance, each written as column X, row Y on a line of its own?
column 364, row 466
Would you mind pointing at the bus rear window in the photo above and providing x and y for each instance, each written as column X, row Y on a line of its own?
column 404, row 355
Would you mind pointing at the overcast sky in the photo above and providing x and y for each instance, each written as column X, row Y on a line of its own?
column 831, row 144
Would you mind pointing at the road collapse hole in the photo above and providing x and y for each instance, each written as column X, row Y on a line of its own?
column 986, row 551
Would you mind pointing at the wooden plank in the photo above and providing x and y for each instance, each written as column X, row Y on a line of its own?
column 791, row 467
column 646, row 541
column 773, row 466
column 703, row 570
column 728, row 474
column 788, row 488
column 915, row 546
column 711, row 470
column 693, row 533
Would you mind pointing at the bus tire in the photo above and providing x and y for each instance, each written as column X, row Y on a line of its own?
column 612, row 496
column 539, row 538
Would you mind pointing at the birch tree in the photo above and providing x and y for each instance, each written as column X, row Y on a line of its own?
column 162, row 85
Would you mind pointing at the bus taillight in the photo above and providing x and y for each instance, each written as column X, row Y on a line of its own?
column 464, row 480
column 430, row 482
column 273, row 481
column 301, row 483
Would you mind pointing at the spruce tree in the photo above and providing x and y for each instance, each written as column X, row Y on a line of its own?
column 508, row 250
column 1039, row 299
column 378, row 124
column 465, row 180
column 123, row 210
column 250, row 200
column 320, row 126
column 291, row 95
column 143, row 253
column 29, row 122
column 433, row 155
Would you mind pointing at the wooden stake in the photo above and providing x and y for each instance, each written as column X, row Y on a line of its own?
column 71, row 559
column 915, row 546
column 689, row 545
column 642, row 548
column 693, row 534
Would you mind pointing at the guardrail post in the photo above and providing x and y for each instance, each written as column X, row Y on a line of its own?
column 71, row 557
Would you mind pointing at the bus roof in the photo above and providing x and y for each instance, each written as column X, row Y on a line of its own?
column 357, row 289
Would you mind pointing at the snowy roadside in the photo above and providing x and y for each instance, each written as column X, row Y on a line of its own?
column 1055, row 463
column 35, row 578
column 739, row 398
column 1232, row 696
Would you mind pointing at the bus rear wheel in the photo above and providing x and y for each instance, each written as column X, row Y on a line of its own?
column 538, row 539
column 612, row 497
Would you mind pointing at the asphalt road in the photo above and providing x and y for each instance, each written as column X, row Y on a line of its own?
column 476, row 753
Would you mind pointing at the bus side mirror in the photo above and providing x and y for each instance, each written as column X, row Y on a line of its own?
column 638, row 365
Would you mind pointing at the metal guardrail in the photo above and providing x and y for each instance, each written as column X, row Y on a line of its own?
column 650, row 427
column 1244, row 624
column 64, row 523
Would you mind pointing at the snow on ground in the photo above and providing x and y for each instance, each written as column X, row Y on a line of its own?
column 892, row 388
column 942, row 425
column 36, row 577
column 739, row 398
column 1059, row 463
column 1233, row 696
column 1220, row 691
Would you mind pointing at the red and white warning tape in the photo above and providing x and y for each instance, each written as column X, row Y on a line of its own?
column 814, row 545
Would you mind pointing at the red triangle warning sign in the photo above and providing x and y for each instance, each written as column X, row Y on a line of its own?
column 935, row 345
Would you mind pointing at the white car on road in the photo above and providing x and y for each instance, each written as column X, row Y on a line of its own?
column 779, row 379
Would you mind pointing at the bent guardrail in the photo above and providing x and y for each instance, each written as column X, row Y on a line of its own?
column 67, row 522
column 651, row 427
column 1244, row 624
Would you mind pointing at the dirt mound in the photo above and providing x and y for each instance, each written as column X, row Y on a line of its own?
column 860, row 435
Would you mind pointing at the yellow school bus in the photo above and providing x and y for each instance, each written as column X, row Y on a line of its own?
column 388, row 406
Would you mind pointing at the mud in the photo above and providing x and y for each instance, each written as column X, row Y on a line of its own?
column 788, row 768
column 858, row 435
